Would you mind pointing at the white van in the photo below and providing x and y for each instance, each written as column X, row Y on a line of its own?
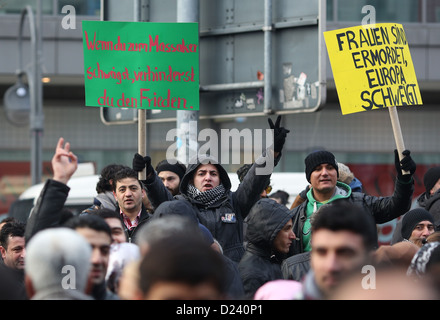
column 82, row 192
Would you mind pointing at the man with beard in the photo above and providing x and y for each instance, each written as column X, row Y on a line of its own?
column 171, row 175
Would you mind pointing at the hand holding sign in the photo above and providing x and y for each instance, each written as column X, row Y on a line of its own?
column 140, row 163
column 405, row 166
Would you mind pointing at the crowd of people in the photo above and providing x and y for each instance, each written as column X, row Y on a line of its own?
column 182, row 233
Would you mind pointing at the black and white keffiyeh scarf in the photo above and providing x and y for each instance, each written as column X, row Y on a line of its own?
column 421, row 259
column 208, row 197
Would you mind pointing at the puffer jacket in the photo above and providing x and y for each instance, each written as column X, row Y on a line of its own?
column 382, row 209
column 260, row 263
column 224, row 219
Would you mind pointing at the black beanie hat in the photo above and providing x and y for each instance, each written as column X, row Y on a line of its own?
column 178, row 168
column 430, row 178
column 316, row 158
column 412, row 218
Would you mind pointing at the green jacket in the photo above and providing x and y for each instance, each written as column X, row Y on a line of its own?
column 342, row 191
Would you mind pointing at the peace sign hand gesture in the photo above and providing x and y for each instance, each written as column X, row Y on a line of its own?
column 279, row 134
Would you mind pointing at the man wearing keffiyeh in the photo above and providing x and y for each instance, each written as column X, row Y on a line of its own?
column 206, row 185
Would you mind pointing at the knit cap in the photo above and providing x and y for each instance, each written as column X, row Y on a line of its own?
column 412, row 218
column 178, row 168
column 316, row 158
column 430, row 178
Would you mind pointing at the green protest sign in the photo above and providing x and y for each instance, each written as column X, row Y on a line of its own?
column 142, row 65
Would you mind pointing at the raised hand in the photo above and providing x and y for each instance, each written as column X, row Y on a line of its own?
column 64, row 162
column 279, row 134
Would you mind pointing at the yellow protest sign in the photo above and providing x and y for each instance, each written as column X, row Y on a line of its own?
column 372, row 67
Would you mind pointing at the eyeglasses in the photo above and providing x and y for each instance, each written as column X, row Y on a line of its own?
column 268, row 189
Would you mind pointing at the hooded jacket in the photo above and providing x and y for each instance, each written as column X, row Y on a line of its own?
column 105, row 200
column 382, row 209
column 224, row 218
column 432, row 204
column 260, row 263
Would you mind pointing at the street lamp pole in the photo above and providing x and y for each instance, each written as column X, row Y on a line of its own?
column 34, row 77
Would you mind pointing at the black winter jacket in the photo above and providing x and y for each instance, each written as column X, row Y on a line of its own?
column 47, row 210
column 296, row 266
column 224, row 219
column 260, row 263
column 143, row 219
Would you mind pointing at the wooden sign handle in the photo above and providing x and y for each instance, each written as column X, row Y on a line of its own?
column 397, row 133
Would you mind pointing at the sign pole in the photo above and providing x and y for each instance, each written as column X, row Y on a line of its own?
column 397, row 133
column 187, row 11
column 140, row 14
column 142, row 137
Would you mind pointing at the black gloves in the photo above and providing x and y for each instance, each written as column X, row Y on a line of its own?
column 279, row 134
column 407, row 164
column 139, row 163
